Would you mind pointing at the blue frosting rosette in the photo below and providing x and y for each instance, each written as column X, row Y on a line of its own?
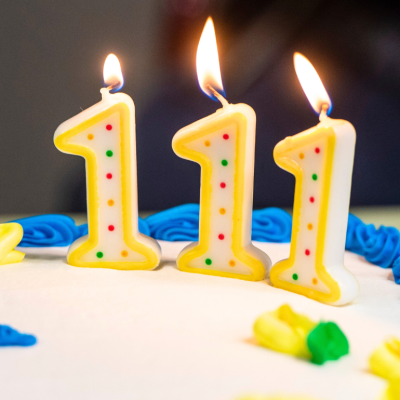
column 50, row 230
column 271, row 225
column 379, row 246
column 11, row 337
column 55, row 230
column 176, row 224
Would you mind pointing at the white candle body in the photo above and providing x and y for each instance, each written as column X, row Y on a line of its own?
column 105, row 135
column 223, row 144
column 338, row 211
column 322, row 160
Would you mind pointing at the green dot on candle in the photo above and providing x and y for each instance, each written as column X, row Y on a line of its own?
column 208, row 261
column 295, row 277
column 224, row 163
column 109, row 153
column 315, row 177
column 99, row 254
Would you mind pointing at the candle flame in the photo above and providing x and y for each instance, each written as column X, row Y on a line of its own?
column 112, row 73
column 207, row 62
column 311, row 84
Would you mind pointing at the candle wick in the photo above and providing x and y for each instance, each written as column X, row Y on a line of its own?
column 324, row 110
column 114, row 85
column 219, row 96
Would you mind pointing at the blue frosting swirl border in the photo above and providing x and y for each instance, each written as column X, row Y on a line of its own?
column 379, row 246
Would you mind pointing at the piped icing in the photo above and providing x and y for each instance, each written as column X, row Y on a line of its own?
column 11, row 337
column 55, row 230
column 271, row 225
column 288, row 332
column 380, row 246
column 179, row 223
column 50, row 230
column 182, row 223
column 10, row 235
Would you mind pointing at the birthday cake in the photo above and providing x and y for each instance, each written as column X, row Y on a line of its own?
column 134, row 324
column 174, row 335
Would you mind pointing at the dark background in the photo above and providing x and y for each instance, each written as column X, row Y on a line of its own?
column 52, row 56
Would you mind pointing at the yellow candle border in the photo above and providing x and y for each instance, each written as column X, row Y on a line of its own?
column 205, row 200
column 62, row 144
column 292, row 167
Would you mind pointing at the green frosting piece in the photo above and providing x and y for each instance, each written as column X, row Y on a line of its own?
column 327, row 342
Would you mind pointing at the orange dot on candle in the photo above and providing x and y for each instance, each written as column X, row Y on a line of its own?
column 110, row 202
column 309, row 226
column 90, row 136
column 207, row 143
column 124, row 253
column 315, row 281
column 301, row 155
column 222, row 211
column 232, row 263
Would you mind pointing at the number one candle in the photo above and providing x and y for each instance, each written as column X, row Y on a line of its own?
column 223, row 145
column 104, row 135
column 321, row 159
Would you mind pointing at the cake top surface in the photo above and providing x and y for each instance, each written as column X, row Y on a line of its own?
column 172, row 335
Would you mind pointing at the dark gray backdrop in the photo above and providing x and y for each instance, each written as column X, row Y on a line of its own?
column 52, row 55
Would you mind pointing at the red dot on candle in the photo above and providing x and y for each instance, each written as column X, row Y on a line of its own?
column 109, row 127
column 109, row 176
column 221, row 236
column 223, row 185
column 226, row 136
column 317, row 150
column 312, row 199
column 307, row 252
column 111, row 228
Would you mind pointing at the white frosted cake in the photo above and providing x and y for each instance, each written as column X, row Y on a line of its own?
column 165, row 334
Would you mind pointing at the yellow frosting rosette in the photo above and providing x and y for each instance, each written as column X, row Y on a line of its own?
column 385, row 360
column 392, row 392
column 279, row 397
column 285, row 331
column 10, row 236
